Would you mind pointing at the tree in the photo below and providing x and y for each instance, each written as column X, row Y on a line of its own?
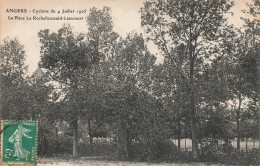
column 215, row 116
column 24, row 97
column 172, row 90
column 13, row 80
column 100, row 34
column 191, row 23
column 66, row 56
column 101, row 40
column 246, row 64
column 130, row 67
column 238, row 84
column 241, row 56
column 45, row 109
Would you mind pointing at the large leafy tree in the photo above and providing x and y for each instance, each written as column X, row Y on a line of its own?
column 42, row 98
column 193, row 24
column 101, row 40
column 79, row 62
column 23, row 97
column 245, row 81
column 237, row 81
column 172, row 90
column 130, row 71
column 215, row 95
column 66, row 56
column 14, row 96
column 252, row 62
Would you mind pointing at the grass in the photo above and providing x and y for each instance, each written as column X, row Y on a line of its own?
column 92, row 161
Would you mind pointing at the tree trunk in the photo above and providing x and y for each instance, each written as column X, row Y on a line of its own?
column 259, row 143
column 192, row 103
column 57, row 139
column 253, row 143
column 193, row 130
column 258, row 122
column 238, row 122
column 127, row 143
column 56, row 131
column 194, row 139
column 226, row 140
column 179, row 135
column 45, row 144
column 185, row 145
column 246, row 143
column 214, row 140
column 238, row 133
column 90, row 134
column 75, row 137
column 200, row 144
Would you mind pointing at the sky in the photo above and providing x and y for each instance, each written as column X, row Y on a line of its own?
column 125, row 14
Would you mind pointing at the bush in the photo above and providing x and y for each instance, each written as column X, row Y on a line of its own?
column 162, row 150
column 250, row 157
column 156, row 150
column 226, row 154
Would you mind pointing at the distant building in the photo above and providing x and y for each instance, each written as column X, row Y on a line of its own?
column 38, row 74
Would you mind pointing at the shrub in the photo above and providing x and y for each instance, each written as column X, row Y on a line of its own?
column 226, row 154
column 159, row 150
column 155, row 151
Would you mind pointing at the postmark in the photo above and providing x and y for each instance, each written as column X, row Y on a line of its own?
column 18, row 143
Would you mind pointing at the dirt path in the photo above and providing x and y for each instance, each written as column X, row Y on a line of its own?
column 87, row 161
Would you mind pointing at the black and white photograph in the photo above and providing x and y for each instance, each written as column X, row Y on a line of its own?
column 129, row 82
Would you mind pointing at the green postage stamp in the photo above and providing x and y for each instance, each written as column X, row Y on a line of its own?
column 18, row 142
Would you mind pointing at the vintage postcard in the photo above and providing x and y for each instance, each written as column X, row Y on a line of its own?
column 129, row 82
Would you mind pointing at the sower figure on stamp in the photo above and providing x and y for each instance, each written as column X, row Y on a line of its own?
column 17, row 138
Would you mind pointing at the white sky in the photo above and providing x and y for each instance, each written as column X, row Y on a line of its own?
column 125, row 14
